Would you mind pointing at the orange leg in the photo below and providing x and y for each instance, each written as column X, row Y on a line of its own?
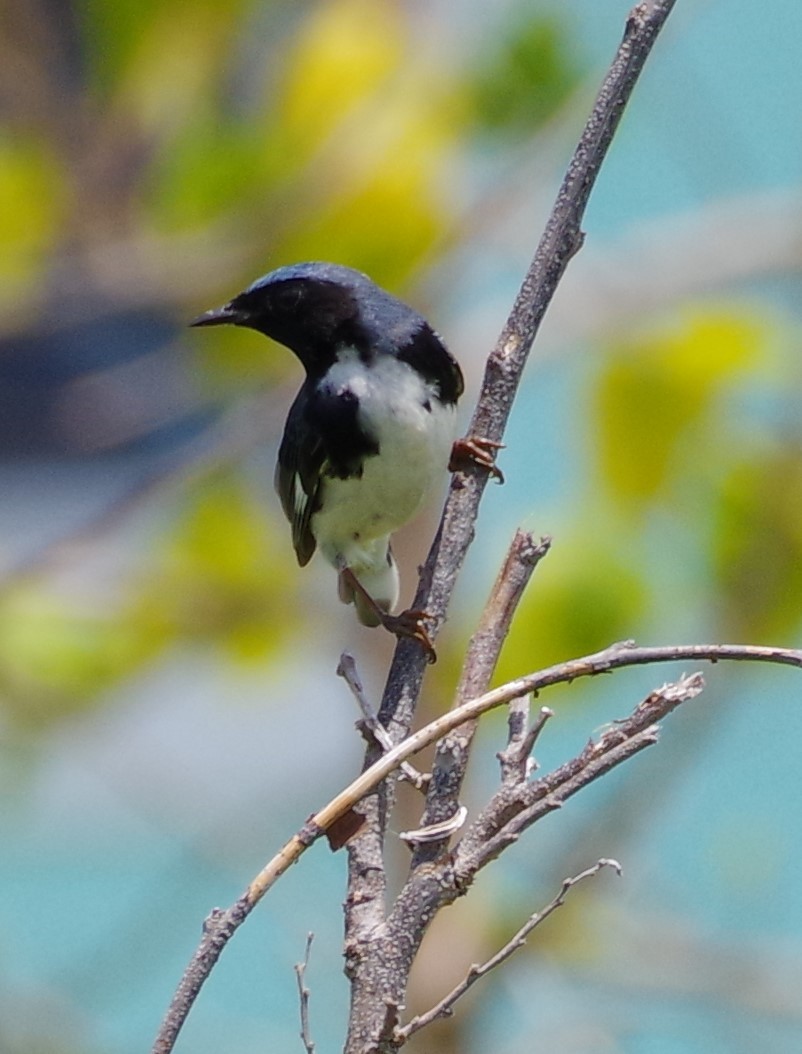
column 406, row 624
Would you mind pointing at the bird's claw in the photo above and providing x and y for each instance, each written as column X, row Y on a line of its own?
column 476, row 450
column 410, row 624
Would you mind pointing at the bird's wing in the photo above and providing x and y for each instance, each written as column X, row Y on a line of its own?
column 298, row 477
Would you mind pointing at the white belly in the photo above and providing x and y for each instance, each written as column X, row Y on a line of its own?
column 357, row 515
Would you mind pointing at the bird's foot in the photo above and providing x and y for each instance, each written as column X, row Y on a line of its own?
column 476, row 450
column 410, row 623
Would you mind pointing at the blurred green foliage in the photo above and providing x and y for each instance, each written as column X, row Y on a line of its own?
column 55, row 656
column 218, row 575
column 182, row 135
column 198, row 131
column 691, row 514
column 756, row 545
column 225, row 576
column 655, row 396
column 32, row 198
column 526, row 76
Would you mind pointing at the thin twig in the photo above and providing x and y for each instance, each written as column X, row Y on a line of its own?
column 440, row 884
column 452, row 754
column 517, row 721
column 585, row 769
column 512, row 770
column 347, row 669
column 303, row 995
column 445, row 1007
column 222, row 924
column 515, row 760
column 513, row 809
column 523, row 556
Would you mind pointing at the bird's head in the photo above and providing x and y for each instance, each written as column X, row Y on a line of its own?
column 311, row 308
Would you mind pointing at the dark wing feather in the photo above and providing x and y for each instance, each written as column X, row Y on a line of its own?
column 322, row 439
column 298, row 475
column 425, row 352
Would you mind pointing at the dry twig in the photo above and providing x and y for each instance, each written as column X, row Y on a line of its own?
column 221, row 925
column 453, row 751
column 347, row 669
column 303, row 995
column 516, row 762
column 446, row 1005
column 515, row 807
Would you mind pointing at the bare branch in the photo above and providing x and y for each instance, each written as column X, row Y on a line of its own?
column 453, row 752
column 303, row 994
column 523, row 556
column 560, row 241
column 516, row 764
column 446, row 1005
column 437, row 884
column 512, row 770
column 515, row 807
column 347, row 669
column 503, row 372
column 221, row 925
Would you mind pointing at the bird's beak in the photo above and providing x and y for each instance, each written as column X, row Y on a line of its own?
column 227, row 315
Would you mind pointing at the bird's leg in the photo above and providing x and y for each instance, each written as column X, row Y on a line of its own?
column 407, row 624
column 476, row 450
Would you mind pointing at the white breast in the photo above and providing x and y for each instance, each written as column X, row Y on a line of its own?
column 414, row 442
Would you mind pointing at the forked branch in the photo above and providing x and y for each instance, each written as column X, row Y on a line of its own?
column 366, row 905
column 373, row 1024
column 222, row 924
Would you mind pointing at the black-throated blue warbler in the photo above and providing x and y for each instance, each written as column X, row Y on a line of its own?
column 370, row 431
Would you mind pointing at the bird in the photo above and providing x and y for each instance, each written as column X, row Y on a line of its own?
column 369, row 434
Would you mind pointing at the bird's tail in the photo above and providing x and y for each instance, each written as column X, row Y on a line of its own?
column 379, row 580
